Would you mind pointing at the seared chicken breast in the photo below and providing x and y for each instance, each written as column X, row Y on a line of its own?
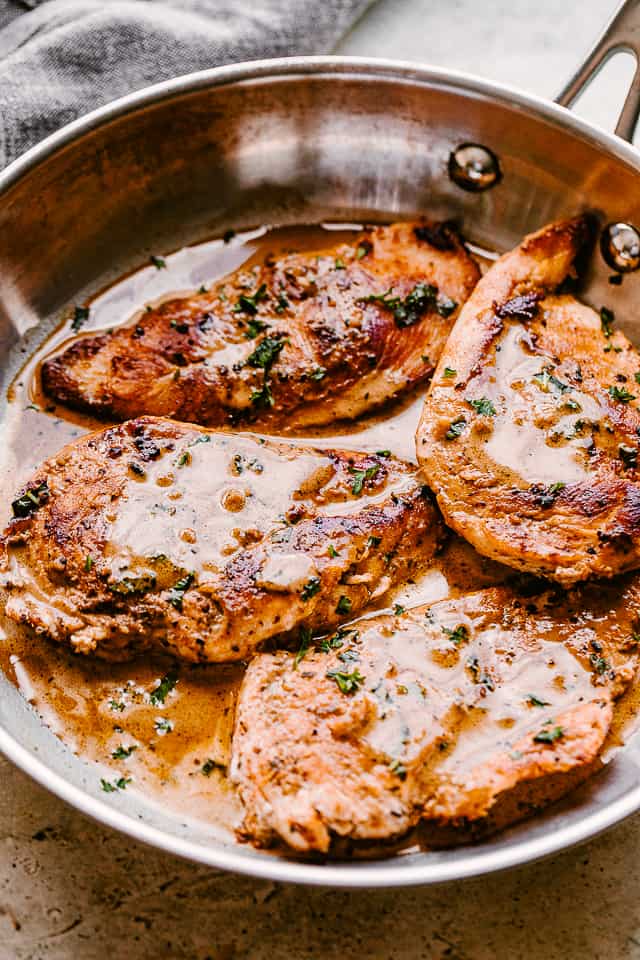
column 160, row 534
column 529, row 435
column 304, row 339
column 465, row 714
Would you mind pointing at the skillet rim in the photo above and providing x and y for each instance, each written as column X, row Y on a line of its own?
column 395, row 872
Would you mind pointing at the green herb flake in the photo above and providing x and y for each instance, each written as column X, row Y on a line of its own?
column 411, row 309
column 162, row 726
column 266, row 353
column 383, row 453
column 158, row 262
column 209, row 766
column 178, row 590
column 374, row 541
column 116, row 705
column 165, row 686
column 80, row 317
column 310, row 588
column 449, row 372
column 607, row 319
column 599, row 664
column 119, row 784
column 184, row 459
column 361, row 476
column 340, row 264
column 549, row 735
column 31, row 500
column 318, row 373
column 88, row 563
column 262, row 397
column 457, row 636
column 399, row 769
column 398, row 609
column 534, row 701
column 456, row 428
column 249, row 304
column 483, row 406
column 121, row 753
column 548, row 383
column 331, row 550
column 344, row 605
column 347, row 682
column 254, row 328
column 621, row 394
column 305, row 643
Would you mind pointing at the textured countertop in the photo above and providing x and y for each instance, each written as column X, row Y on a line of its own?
column 71, row 890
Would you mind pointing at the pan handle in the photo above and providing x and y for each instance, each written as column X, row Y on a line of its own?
column 622, row 34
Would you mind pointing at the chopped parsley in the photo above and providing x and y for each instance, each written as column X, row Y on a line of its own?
column 549, row 736
column 310, row 588
column 361, row 476
column 158, row 262
column 449, row 372
column 339, row 264
column 183, row 459
column 607, row 319
column 178, row 590
column 546, row 496
column 254, row 327
column 347, row 682
column 363, row 248
column 305, row 643
column 483, row 406
column 116, row 705
column 31, row 500
column 80, row 317
column 119, row 784
column 534, row 701
column 266, row 353
column 165, row 686
column 621, row 394
column 331, row 550
column 262, row 397
column 398, row 609
column 636, row 376
column 374, row 541
column 457, row 636
column 548, row 382
column 249, row 304
column 383, row 453
column 599, row 664
column 344, row 605
column 456, row 428
column 162, row 725
column 318, row 373
column 88, row 563
column 121, row 753
column 410, row 310
column 399, row 769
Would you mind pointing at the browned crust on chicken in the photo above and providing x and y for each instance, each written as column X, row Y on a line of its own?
column 529, row 435
column 291, row 343
column 160, row 534
column 466, row 714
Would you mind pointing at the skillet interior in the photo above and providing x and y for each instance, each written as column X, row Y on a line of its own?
column 290, row 142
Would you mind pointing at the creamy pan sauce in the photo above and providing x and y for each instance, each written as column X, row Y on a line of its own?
column 156, row 728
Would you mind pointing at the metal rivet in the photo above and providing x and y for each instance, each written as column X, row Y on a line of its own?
column 474, row 167
column 620, row 247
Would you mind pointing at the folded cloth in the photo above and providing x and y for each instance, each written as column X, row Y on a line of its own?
column 61, row 58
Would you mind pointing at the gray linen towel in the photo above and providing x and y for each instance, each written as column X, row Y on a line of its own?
column 61, row 58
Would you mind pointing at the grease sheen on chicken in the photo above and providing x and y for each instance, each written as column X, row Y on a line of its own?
column 294, row 342
column 160, row 534
column 530, row 431
column 465, row 714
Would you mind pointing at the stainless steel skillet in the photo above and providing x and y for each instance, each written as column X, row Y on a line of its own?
column 288, row 141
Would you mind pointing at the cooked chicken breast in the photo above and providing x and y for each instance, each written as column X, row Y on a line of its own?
column 464, row 714
column 305, row 339
column 158, row 534
column 529, row 436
